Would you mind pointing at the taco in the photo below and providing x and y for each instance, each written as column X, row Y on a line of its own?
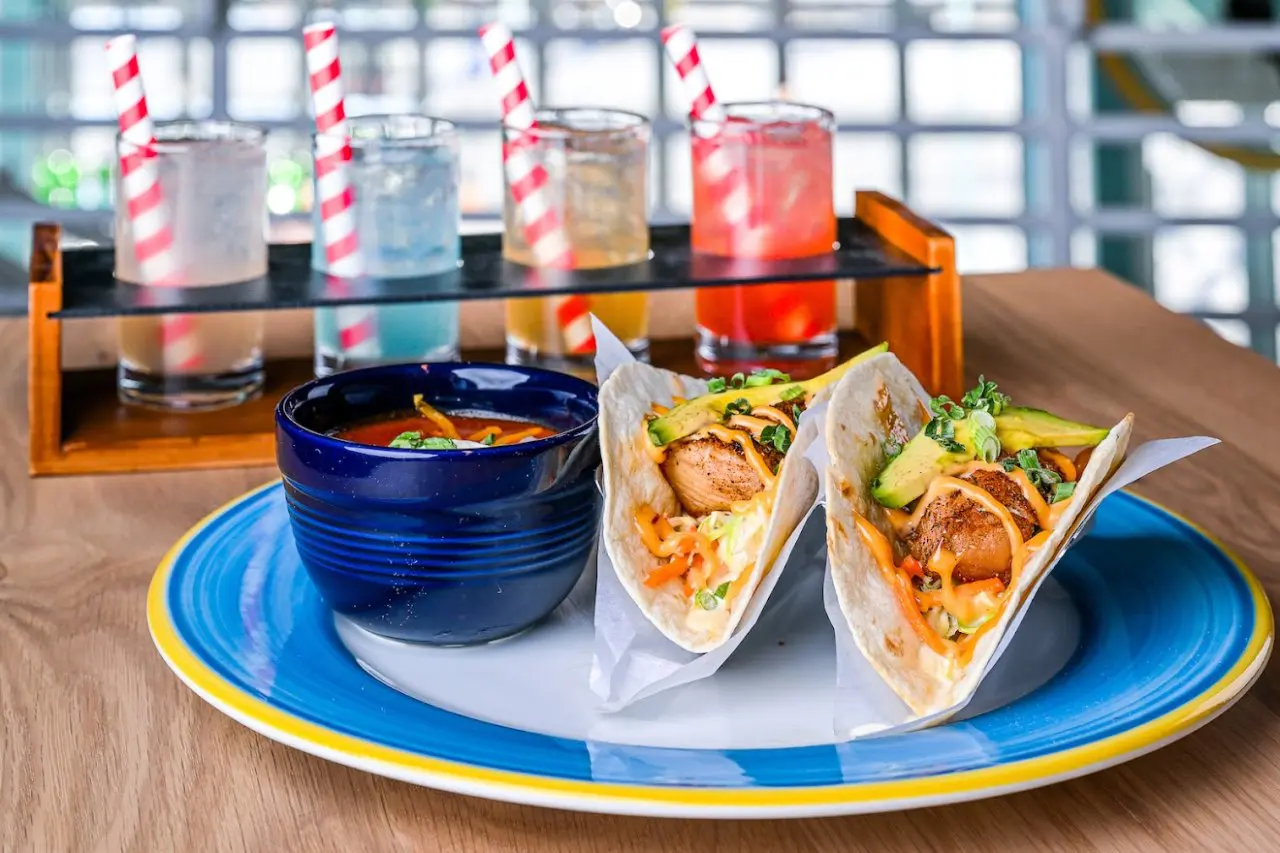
column 699, row 492
column 942, row 514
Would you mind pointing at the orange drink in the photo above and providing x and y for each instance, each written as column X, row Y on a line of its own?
column 597, row 165
column 762, row 190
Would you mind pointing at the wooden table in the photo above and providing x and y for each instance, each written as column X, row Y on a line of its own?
column 101, row 748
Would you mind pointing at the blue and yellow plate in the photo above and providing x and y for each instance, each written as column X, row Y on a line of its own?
column 1165, row 631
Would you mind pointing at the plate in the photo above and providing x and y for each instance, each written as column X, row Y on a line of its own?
column 1149, row 630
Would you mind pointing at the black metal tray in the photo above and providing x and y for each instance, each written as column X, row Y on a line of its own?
column 91, row 290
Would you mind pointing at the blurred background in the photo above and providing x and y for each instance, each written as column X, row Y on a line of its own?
column 1135, row 135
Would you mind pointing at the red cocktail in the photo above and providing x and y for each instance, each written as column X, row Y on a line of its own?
column 762, row 190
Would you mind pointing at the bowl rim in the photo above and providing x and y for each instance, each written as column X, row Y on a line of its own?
column 287, row 422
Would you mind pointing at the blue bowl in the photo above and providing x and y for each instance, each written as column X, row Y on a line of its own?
column 448, row 547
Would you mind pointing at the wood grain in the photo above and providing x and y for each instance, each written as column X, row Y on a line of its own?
column 102, row 749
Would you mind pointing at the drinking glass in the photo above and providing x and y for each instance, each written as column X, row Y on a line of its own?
column 403, row 175
column 778, row 204
column 213, row 180
column 597, row 182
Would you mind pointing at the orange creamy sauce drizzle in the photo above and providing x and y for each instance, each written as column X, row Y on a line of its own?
column 687, row 553
column 960, row 600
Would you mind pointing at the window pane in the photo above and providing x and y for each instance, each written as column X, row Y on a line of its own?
column 950, row 16
column 866, row 161
column 1186, row 180
column 964, row 82
column 1200, row 268
column 591, row 73
column 989, row 248
column 265, row 79
column 729, row 15
column 966, row 173
column 858, row 81
column 864, row 16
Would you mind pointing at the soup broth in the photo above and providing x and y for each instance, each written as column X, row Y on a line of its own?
column 474, row 427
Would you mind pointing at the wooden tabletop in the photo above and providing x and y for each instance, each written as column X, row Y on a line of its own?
column 101, row 748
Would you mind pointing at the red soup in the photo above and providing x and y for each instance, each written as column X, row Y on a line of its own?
column 409, row 429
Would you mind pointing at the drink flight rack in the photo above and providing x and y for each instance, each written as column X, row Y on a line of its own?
column 906, row 292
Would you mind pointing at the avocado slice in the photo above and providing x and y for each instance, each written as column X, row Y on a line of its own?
column 1020, row 428
column 908, row 475
column 689, row 417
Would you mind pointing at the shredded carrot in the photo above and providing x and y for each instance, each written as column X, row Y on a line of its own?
column 658, row 410
column 912, row 566
column 669, row 571
column 902, row 589
column 480, row 436
column 444, row 424
column 995, row 586
column 678, row 401
column 531, row 432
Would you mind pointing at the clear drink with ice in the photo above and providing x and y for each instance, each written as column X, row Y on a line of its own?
column 213, row 178
column 404, row 180
column 597, row 181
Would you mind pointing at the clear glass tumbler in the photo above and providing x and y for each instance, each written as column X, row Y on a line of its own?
column 777, row 203
column 404, row 179
column 213, row 179
column 597, row 182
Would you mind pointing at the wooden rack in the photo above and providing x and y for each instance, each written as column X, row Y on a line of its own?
column 906, row 292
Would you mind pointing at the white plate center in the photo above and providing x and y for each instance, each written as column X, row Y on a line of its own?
column 777, row 690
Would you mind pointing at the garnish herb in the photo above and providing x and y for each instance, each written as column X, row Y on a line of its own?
column 930, row 584
column 739, row 406
column 407, row 439
column 722, row 590
column 488, row 439
column 796, row 412
column 768, row 376
column 1062, row 491
column 984, row 397
column 706, row 599
column 1029, row 461
column 943, row 407
column 737, row 380
column 982, row 426
column 791, row 393
column 980, row 404
column 943, row 430
column 415, row 441
column 715, row 386
column 777, row 435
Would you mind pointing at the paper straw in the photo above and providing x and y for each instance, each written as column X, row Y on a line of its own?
column 357, row 325
column 728, row 184
column 543, row 230
column 149, row 221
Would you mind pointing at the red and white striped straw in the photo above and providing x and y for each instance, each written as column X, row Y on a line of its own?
column 149, row 220
column 543, row 230
column 357, row 325
column 728, row 184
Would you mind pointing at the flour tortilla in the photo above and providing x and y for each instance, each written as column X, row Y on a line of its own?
column 926, row 682
column 632, row 478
